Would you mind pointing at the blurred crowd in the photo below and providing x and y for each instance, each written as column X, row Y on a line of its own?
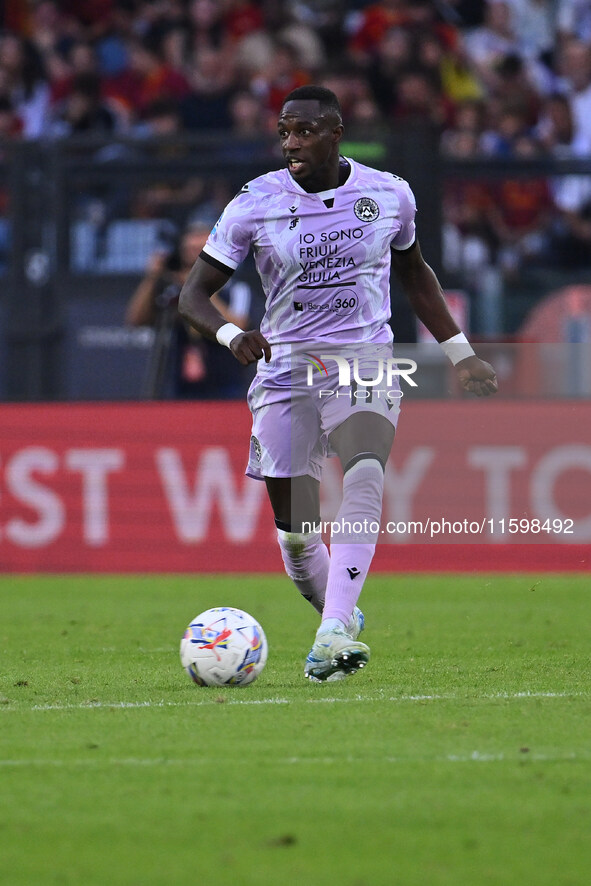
column 498, row 78
column 489, row 73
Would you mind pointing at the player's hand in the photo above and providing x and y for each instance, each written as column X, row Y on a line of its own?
column 477, row 376
column 250, row 347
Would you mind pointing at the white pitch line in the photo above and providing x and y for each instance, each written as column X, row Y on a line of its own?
column 154, row 704
column 397, row 699
column 473, row 757
column 380, row 698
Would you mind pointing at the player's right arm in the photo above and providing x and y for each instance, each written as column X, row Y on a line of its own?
column 196, row 308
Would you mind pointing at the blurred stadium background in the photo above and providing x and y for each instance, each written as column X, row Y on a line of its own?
column 126, row 123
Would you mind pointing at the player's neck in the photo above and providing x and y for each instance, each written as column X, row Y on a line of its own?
column 332, row 180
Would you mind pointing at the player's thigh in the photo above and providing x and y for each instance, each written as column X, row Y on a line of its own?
column 286, row 436
column 295, row 500
column 363, row 432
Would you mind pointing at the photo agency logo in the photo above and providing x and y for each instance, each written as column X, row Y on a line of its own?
column 375, row 377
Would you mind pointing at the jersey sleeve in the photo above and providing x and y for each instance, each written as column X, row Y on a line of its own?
column 230, row 239
column 406, row 235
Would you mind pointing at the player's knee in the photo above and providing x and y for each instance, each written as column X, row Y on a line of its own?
column 363, row 488
column 364, row 461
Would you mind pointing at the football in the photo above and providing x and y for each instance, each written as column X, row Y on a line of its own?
column 224, row 647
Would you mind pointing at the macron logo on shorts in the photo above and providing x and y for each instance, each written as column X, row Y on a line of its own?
column 353, row 572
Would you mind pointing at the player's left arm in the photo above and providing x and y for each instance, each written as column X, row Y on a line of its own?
column 422, row 288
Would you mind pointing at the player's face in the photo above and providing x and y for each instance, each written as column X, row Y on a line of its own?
column 310, row 143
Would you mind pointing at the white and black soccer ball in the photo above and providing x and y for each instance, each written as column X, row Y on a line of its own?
column 224, row 647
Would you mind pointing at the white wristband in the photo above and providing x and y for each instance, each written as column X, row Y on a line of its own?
column 227, row 333
column 457, row 348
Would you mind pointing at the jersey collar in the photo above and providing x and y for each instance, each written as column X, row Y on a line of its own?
column 325, row 195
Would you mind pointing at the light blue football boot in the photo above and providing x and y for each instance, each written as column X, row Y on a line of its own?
column 337, row 654
column 356, row 623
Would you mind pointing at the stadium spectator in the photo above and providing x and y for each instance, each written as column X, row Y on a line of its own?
column 240, row 18
column 206, row 106
column 533, row 23
column 468, row 242
column 306, row 42
column 23, row 78
column 248, row 116
column 570, row 193
column 520, row 212
column 329, row 21
column 283, row 74
column 571, row 231
column 95, row 15
column 11, row 126
column 253, row 53
column 175, row 47
column 350, row 84
column 161, row 119
column 206, row 24
column 83, row 112
column 571, row 242
column 365, row 118
column 50, row 29
column 52, row 34
column 575, row 66
column 426, row 18
column 513, row 87
column 509, row 124
column 393, row 54
column 573, row 19
column 79, row 57
column 82, row 58
column 419, row 99
column 111, row 42
column 150, row 78
column 250, row 123
column 372, row 23
column 185, row 365
column 488, row 44
column 469, row 116
column 155, row 18
column 459, row 82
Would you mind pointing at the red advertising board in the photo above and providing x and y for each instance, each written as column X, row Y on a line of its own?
column 134, row 487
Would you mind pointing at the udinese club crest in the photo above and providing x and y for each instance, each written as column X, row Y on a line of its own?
column 258, row 449
column 366, row 209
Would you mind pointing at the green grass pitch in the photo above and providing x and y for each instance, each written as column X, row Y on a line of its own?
column 461, row 756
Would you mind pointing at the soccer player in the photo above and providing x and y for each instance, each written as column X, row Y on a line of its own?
column 325, row 232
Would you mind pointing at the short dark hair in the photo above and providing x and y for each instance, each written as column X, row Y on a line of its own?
column 325, row 97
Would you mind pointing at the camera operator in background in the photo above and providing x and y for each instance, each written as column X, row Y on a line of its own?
column 183, row 365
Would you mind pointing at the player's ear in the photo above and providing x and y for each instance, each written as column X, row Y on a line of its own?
column 337, row 132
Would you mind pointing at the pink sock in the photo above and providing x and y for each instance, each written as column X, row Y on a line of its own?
column 349, row 565
column 352, row 548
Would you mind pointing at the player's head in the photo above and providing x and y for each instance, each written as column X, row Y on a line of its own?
column 310, row 128
column 327, row 100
